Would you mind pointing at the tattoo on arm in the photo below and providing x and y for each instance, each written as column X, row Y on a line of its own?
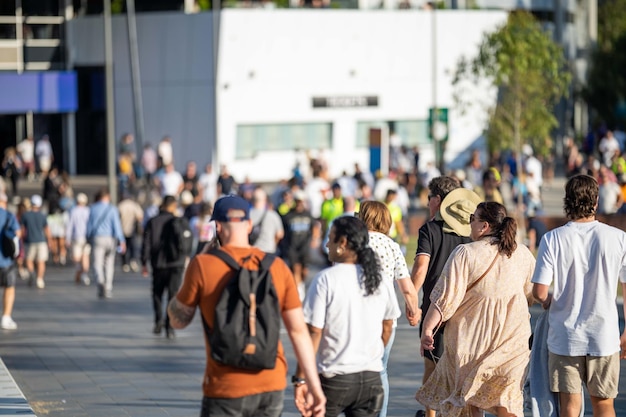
column 180, row 314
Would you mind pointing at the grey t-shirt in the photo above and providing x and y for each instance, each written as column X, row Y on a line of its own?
column 34, row 222
column 272, row 225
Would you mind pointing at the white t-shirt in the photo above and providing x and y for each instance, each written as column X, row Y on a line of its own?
column 534, row 165
column 208, row 183
column 170, row 183
column 165, row 151
column 608, row 194
column 392, row 262
column 352, row 322
column 585, row 261
column 26, row 148
column 315, row 191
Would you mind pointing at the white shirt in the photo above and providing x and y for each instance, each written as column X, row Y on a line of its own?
column 170, row 183
column 165, row 151
column 534, row 165
column 392, row 262
column 43, row 149
column 26, row 148
column 352, row 322
column 585, row 261
column 208, row 183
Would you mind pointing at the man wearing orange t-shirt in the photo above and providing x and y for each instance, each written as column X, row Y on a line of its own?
column 231, row 391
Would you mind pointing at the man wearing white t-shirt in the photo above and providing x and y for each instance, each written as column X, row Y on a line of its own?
column 26, row 149
column 171, row 182
column 208, row 184
column 584, row 259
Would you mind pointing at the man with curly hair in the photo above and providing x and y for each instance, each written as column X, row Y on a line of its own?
column 584, row 259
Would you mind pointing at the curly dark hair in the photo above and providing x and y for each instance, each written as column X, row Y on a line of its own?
column 504, row 227
column 441, row 186
column 581, row 197
column 357, row 236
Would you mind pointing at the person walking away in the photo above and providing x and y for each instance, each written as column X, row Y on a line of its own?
column 269, row 223
column 104, row 233
column 26, row 151
column 35, row 228
column 45, row 156
column 350, row 313
column 298, row 225
column 485, row 357
column 12, row 167
column 203, row 226
column 584, row 259
column 437, row 239
column 165, row 274
column 377, row 218
column 131, row 217
column 230, row 390
column 76, row 238
column 8, row 270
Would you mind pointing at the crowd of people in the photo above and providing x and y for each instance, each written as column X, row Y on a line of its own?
column 475, row 276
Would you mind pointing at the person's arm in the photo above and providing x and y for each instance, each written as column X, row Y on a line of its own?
column 308, row 396
column 542, row 294
column 431, row 322
column 418, row 273
column 387, row 329
column 413, row 313
column 532, row 240
column 180, row 314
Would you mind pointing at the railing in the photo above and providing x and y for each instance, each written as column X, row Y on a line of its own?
column 31, row 43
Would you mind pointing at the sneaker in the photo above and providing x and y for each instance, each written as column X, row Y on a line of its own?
column 125, row 268
column 420, row 413
column 40, row 283
column 169, row 333
column 134, row 266
column 63, row 260
column 8, row 323
column 24, row 274
column 158, row 328
column 85, row 279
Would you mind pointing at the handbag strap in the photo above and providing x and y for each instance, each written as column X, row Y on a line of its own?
column 473, row 284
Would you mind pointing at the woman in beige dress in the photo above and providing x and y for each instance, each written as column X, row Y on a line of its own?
column 483, row 295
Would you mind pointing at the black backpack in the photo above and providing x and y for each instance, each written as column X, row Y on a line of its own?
column 246, row 326
column 177, row 240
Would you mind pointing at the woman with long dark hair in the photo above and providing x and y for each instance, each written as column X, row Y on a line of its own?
column 350, row 315
column 483, row 295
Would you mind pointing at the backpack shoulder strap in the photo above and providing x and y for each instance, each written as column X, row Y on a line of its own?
column 267, row 261
column 226, row 258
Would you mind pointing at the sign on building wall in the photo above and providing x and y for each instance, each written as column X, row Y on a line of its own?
column 345, row 101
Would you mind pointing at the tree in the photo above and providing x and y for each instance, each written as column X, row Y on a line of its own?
column 606, row 84
column 529, row 71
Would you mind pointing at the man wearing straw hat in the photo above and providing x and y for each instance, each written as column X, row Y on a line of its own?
column 450, row 207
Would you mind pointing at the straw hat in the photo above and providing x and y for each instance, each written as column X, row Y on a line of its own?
column 456, row 208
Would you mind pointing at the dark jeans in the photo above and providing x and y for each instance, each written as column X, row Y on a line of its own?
column 132, row 251
column 267, row 404
column 162, row 279
column 357, row 395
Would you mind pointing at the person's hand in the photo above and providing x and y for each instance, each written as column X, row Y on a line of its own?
column 546, row 303
column 413, row 318
column 309, row 403
column 622, row 343
column 427, row 343
column 122, row 247
column 144, row 271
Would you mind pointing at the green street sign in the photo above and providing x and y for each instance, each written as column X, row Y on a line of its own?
column 438, row 124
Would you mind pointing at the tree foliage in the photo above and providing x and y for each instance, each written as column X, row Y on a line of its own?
column 529, row 70
column 606, row 82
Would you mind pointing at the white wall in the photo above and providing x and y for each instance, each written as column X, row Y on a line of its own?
column 296, row 55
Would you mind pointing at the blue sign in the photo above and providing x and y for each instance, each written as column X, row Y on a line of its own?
column 39, row 92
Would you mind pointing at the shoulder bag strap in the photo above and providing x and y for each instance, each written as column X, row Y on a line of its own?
column 473, row 284
column 226, row 258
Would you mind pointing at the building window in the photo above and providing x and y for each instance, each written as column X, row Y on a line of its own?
column 412, row 132
column 252, row 139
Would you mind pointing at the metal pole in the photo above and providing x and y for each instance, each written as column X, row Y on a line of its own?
column 135, row 75
column 438, row 148
column 216, row 7
column 110, row 105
